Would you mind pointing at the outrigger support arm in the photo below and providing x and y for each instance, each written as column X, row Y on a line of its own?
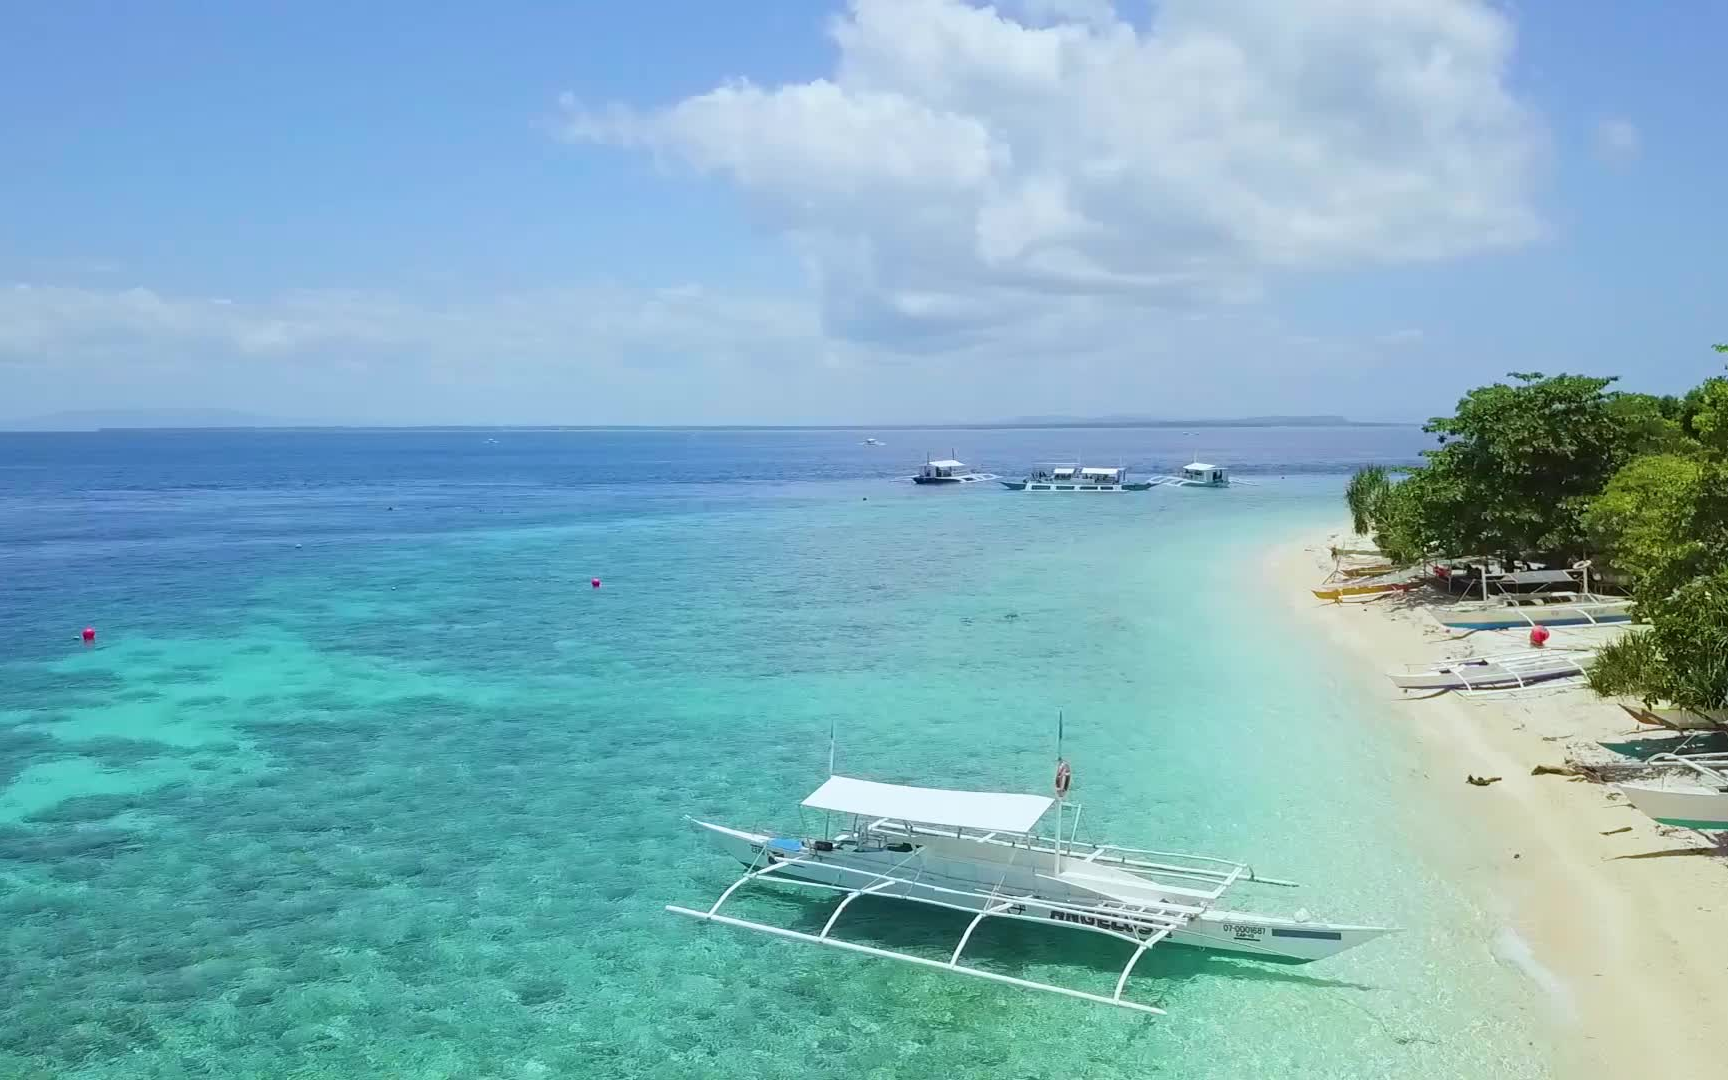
column 1122, row 982
column 954, row 961
column 752, row 875
column 1160, row 923
column 851, row 896
column 868, row 950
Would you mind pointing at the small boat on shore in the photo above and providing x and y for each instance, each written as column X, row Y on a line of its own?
column 1544, row 609
column 1678, row 719
column 1509, row 671
column 1375, row 570
column 979, row 852
column 1528, row 598
column 1337, row 591
column 1070, row 476
column 949, row 471
column 1692, row 793
column 1342, row 552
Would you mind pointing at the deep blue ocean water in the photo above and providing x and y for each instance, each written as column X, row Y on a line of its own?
column 363, row 778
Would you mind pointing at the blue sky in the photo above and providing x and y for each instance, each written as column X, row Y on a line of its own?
column 880, row 211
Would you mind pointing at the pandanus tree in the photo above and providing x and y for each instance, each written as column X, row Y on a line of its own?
column 1365, row 491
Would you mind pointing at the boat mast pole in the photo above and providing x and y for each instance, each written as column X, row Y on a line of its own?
column 1060, row 798
column 828, row 815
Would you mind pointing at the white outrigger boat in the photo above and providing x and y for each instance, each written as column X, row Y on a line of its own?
column 1693, row 794
column 977, row 852
column 1509, row 610
column 1508, row 671
column 949, row 471
column 1071, row 476
column 1197, row 474
column 1537, row 609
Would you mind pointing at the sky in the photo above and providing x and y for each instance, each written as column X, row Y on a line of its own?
column 874, row 211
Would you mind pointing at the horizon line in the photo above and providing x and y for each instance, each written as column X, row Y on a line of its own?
column 1000, row 425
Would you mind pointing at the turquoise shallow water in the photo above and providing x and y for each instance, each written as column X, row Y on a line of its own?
column 407, row 799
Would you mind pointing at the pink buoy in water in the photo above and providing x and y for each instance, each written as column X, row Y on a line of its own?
column 1538, row 635
column 594, row 582
column 89, row 635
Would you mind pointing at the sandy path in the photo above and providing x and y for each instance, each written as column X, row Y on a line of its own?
column 1627, row 934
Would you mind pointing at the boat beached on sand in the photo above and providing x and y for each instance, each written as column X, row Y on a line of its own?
column 1573, row 604
column 1677, row 719
column 978, row 852
column 1545, row 609
column 1693, row 794
column 1509, row 671
column 1336, row 591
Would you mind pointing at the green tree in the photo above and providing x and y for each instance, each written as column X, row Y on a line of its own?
column 1683, row 657
column 1664, row 519
column 1365, row 490
column 1519, row 463
column 1410, row 517
column 1646, row 521
column 1703, row 414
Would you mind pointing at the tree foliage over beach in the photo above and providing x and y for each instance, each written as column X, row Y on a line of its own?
column 1364, row 492
column 1664, row 520
column 1562, row 468
column 1517, row 466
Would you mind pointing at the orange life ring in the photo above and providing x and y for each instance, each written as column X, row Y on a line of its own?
column 1064, row 777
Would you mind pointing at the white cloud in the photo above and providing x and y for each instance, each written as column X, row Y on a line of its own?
column 596, row 354
column 966, row 169
column 596, row 324
column 579, row 354
column 1036, row 207
column 1617, row 141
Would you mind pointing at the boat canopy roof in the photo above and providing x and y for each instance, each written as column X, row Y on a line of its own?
column 948, row 463
column 1090, row 471
column 988, row 811
column 1199, row 466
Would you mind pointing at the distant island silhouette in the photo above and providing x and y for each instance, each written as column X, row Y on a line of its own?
column 232, row 420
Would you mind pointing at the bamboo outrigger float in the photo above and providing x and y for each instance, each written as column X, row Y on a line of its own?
column 978, row 852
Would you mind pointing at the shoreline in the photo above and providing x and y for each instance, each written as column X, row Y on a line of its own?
column 1620, row 935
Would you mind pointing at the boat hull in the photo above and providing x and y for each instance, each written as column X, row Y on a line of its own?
column 1481, row 675
column 1687, row 806
column 963, row 478
column 1368, row 571
column 1262, row 937
column 1514, row 617
column 1678, row 719
column 1339, row 592
column 1041, row 485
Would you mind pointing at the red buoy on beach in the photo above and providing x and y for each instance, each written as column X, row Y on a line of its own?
column 89, row 635
column 1538, row 635
column 594, row 582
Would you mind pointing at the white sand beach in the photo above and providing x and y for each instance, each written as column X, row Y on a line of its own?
column 1624, row 932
